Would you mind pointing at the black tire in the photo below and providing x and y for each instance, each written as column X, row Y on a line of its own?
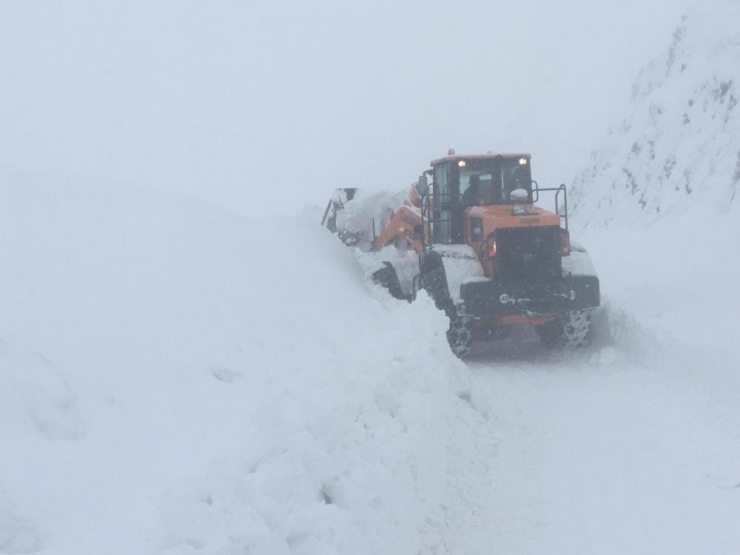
column 571, row 330
column 460, row 335
column 434, row 281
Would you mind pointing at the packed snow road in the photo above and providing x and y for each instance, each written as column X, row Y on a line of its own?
column 615, row 458
column 630, row 447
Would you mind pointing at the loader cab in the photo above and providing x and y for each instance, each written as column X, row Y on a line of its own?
column 461, row 182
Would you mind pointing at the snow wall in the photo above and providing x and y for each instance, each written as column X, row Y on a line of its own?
column 179, row 379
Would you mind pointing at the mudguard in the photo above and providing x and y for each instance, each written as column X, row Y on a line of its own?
column 444, row 269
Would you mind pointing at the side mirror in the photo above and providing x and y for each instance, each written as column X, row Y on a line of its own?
column 422, row 187
column 535, row 191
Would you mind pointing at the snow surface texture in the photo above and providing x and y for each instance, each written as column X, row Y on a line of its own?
column 405, row 262
column 679, row 144
column 175, row 379
column 179, row 380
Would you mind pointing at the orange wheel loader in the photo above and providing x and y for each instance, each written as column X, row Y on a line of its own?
column 474, row 240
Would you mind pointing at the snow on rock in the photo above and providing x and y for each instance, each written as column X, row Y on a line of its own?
column 679, row 144
column 229, row 386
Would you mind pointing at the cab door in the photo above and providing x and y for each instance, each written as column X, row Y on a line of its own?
column 447, row 217
column 441, row 214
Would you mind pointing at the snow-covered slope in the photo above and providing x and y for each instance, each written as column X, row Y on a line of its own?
column 178, row 378
column 679, row 144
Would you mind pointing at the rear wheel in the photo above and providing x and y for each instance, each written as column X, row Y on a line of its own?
column 570, row 330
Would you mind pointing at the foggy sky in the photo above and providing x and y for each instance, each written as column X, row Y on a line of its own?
column 265, row 106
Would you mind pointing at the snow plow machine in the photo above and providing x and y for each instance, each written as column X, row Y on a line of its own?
column 474, row 240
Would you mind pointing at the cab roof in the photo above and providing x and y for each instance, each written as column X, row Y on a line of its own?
column 489, row 156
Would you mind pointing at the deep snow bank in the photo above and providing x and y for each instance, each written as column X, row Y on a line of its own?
column 679, row 143
column 174, row 377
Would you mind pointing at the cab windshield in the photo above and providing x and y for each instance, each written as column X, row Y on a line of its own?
column 492, row 181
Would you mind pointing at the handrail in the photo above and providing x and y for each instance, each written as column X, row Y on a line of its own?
column 557, row 190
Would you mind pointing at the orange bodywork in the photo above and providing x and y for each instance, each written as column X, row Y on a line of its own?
column 489, row 156
column 506, row 216
column 503, row 216
column 482, row 203
column 405, row 225
column 519, row 319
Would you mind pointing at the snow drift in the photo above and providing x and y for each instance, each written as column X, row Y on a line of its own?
column 175, row 377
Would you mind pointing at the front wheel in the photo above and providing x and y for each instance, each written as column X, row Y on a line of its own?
column 570, row 330
column 460, row 335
